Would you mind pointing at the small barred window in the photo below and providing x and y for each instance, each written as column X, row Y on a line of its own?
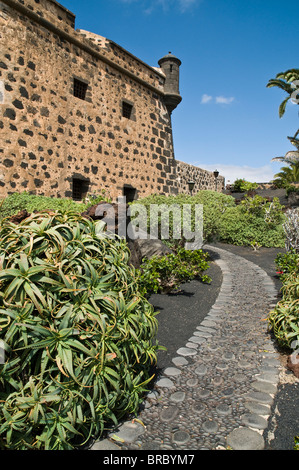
column 127, row 110
column 80, row 89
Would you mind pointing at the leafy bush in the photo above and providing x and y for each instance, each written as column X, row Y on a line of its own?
column 31, row 202
column 237, row 185
column 244, row 229
column 78, row 335
column 166, row 273
column 257, row 221
column 290, row 189
column 287, row 263
column 240, row 185
column 284, row 318
column 214, row 205
column 94, row 198
column 291, row 229
column 253, row 205
column 273, row 214
column 261, row 207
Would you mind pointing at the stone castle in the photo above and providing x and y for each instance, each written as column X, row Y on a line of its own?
column 79, row 114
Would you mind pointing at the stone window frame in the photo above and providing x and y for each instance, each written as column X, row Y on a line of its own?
column 87, row 94
column 132, row 116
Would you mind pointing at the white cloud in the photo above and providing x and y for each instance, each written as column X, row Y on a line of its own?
column 149, row 6
column 218, row 99
column 224, row 100
column 186, row 4
column 262, row 174
column 206, row 98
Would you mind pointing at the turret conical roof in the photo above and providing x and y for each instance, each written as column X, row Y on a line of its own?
column 169, row 56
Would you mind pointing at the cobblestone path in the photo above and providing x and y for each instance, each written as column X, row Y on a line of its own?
column 219, row 392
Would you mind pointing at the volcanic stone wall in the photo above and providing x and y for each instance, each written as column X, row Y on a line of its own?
column 203, row 179
column 51, row 136
column 54, row 139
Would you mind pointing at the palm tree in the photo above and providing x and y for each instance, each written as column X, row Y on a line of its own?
column 291, row 157
column 289, row 82
column 289, row 174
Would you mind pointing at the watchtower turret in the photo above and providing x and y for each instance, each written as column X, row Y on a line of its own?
column 171, row 67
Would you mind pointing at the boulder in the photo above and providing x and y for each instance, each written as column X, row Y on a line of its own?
column 293, row 199
column 293, row 364
column 149, row 248
column 111, row 212
column 21, row 215
column 140, row 244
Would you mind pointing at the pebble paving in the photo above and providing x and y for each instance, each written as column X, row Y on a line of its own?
column 219, row 392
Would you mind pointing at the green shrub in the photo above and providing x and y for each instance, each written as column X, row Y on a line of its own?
column 291, row 189
column 284, row 318
column 167, row 273
column 287, row 263
column 214, row 206
column 237, row 185
column 256, row 222
column 245, row 229
column 261, row 207
column 13, row 203
column 240, row 185
column 78, row 335
column 291, row 229
column 94, row 198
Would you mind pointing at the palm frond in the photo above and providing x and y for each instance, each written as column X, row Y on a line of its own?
column 285, row 81
column 289, row 75
column 282, row 106
column 294, row 141
column 280, row 84
column 291, row 157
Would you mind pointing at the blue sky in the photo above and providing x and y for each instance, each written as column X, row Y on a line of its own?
column 229, row 50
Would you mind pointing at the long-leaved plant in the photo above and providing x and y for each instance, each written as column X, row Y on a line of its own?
column 78, row 337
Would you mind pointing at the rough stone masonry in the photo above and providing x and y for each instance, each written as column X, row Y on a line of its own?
column 79, row 114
